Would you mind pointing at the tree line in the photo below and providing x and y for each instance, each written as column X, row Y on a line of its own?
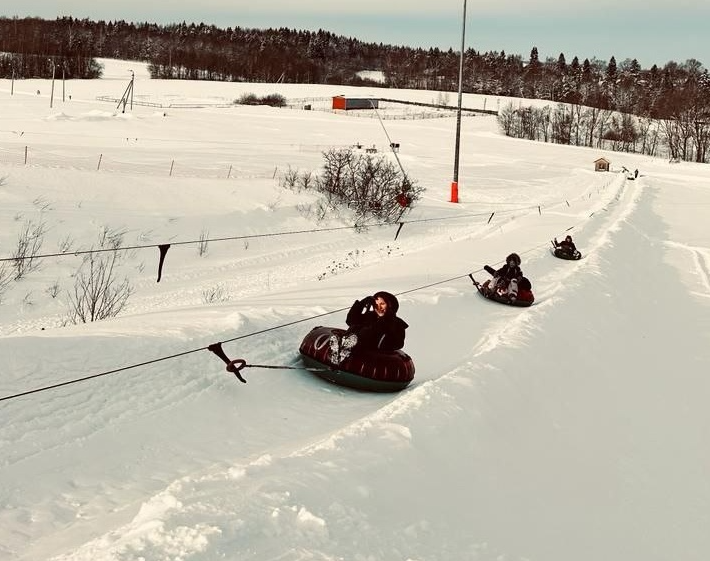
column 674, row 98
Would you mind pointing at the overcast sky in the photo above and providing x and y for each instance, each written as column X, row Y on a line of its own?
column 653, row 32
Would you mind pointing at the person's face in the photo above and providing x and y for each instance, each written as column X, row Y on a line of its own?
column 380, row 306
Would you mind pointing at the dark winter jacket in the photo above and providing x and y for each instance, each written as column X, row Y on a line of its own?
column 567, row 246
column 509, row 273
column 384, row 333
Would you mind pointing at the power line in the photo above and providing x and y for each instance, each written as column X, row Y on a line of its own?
column 251, row 236
column 231, row 340
column 245, row 336
column 161, row 359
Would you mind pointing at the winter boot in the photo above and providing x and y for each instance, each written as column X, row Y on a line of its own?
column 334, row 344
column 346, row 346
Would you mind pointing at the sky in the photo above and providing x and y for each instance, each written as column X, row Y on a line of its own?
column 576, row 428
column 652, row 32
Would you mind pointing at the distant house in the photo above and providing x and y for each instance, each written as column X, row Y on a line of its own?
column 601, row 164
column 347, row 103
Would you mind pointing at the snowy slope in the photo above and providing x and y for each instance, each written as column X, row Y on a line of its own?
column 573, row 429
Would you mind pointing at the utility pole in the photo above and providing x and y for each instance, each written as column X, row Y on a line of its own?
column 128, row 93
column 455, row 182
column 51, row 95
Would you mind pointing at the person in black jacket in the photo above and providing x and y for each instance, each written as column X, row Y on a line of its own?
column 505, row 280
column 567, row 245
column 373, row 325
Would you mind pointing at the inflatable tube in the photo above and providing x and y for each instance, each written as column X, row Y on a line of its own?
column 373, row 371
column 562, row 254
column 525, row 298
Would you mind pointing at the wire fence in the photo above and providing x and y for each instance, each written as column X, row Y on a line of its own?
column 396, row 110
column 26, row 155
column 151, row 163
column 232, row 164
column 140, row 102
column 390, row 109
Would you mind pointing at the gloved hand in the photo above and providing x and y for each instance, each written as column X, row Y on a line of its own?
column 368, row 302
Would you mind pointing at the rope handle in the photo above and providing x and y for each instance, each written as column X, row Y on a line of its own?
column 236, row 365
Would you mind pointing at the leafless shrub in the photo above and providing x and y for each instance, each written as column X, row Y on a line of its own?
column 29, row 243
column 316, row 211
column 307, row 180
column 42, row 204
column 145, row 236
column 350, row 261
column 273, row 205
column 53, row 289
column 290, row 179
column 369, row 186
column 203, row 243
column 110, row 238
column 298, row 181
column 6, row 277
column 442, row 99
column 274, row 100
column 97, row 292
column 213, row 294
column 66, row 244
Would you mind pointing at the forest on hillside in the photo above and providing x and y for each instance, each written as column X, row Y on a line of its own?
column 675, row 98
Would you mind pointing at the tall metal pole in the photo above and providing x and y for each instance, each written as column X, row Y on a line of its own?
column 455, row 182
column 51, row 96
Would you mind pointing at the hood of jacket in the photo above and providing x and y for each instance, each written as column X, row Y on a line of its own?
column 392, row 302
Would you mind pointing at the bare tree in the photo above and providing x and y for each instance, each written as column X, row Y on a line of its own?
column 507, row 119
column 97, row 292
column 648, row 134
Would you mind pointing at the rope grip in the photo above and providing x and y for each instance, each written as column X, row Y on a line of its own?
column 233, row 366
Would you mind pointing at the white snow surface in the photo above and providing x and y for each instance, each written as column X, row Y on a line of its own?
column 576, row 429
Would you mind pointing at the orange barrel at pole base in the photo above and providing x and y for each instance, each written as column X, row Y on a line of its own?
column 454, row 192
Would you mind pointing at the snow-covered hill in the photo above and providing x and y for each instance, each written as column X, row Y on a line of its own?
column 574, row 429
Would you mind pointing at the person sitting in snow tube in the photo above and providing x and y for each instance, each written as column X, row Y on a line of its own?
column 566, row 245
column 373, row 324
column 525, row 290
column 506, row 279
column 566, row 249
